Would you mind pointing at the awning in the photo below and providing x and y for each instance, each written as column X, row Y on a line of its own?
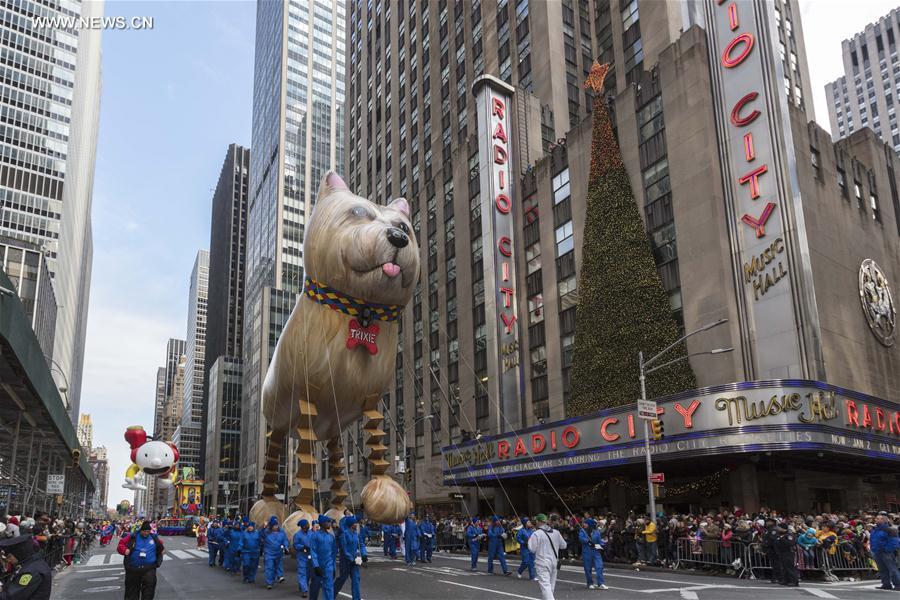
column 27, row 387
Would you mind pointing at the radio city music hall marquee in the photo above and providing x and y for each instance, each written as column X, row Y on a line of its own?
column 494, row 103
column 747, row 417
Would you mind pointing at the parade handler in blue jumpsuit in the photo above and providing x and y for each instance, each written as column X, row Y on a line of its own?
column 212, row 542
column 587, row 550
column 474, row 535
column 353, row 555
column 395, row 539
column 426, row 542
column 411, row 539
column 250, row 544
column 231, row 542
column 302, row 543
column 323, row 553
column 522, row 537
column 598, row 544
column 274, row 547
column 496, row 536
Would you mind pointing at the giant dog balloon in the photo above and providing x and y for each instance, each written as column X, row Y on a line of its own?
column 336, row 355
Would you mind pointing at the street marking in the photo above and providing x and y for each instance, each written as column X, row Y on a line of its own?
column 819, row 593
column 96, row 570
column 475, row 587
column 199, row 553
column 104, row 588
column 688, row 595
column 96, row 560
column 92, row 579
column 180, row 554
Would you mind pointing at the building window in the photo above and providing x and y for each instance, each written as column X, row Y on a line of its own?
column 816, row 163
column 630, row 15
column 533, row 257
column 561, row 187
column 857, row 189
column 565, row 241
column 535, row 309
column 568, row 293
column 842, row 183
column 538, row 361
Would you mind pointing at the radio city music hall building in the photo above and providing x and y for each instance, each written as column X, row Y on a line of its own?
column 752, row 212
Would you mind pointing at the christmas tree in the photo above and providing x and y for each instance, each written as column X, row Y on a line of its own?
column 623, row 307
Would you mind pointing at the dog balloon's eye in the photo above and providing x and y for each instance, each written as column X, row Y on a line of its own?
column 358, row 211
column 404, row 227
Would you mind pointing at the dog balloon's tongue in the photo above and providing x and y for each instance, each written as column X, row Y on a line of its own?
column 391, row 269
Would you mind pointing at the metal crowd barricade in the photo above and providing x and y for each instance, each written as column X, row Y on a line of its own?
column 756, row 560
column 847, row 558
column 448, row 541
column 710, row 553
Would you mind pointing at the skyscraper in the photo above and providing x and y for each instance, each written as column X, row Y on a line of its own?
column 220, row 452
column 298, row 122
column 167, row 416
column 192, row 427
column 27, row 268
column 866, row 95
column 47, row 161
column 85, row 432
column 100, row 465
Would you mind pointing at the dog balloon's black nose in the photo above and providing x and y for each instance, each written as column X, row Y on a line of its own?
column 397, row 238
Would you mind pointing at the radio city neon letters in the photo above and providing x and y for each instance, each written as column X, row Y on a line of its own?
column 735, row 53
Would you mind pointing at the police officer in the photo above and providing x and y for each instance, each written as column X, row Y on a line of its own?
column 302, row 542
column 31, row 578
column 784, row 547
column 769, row 538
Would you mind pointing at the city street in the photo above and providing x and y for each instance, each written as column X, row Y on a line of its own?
column 185, row 574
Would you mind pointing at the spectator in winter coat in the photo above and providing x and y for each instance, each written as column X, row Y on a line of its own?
column 884, row 544
column 828, row 539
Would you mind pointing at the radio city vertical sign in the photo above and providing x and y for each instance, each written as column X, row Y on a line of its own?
column 504, row 382
column 756, row 155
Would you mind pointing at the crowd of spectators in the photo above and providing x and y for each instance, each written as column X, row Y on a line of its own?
column 718, row 538
column 62, row 541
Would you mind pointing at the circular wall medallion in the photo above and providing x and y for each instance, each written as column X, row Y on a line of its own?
column 877, row 302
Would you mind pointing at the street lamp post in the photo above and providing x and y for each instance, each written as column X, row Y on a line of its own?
column 644, row 371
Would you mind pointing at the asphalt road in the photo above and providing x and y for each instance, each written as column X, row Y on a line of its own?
column 186, row 575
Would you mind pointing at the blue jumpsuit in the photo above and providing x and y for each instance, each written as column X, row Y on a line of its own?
column 351, row 546
column 495, row 548
column 473, row 538
column 302, row 545
column 411, row 539
column 527, row 559
column 250, row 555
column 232, row 539
column 387, row 539
column 274, row 546
column 597, row 540
column 212, row 544
column 324, row 551
column 587, row 554
column 426, row 545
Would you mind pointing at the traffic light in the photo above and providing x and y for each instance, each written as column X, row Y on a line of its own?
column 658, row 430
column 76, row 456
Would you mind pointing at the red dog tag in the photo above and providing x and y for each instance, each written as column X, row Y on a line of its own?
column 363, row 336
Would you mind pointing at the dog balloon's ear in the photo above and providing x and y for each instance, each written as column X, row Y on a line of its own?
column 332, row 182
column 400, row 205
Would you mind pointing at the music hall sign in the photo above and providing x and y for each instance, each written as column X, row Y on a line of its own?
column 735, row 418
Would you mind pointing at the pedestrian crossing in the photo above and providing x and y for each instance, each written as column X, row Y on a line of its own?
column 103, row 560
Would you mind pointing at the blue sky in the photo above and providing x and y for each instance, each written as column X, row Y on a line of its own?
column 173, row 99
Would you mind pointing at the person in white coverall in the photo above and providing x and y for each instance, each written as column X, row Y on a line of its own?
column 545, row 544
